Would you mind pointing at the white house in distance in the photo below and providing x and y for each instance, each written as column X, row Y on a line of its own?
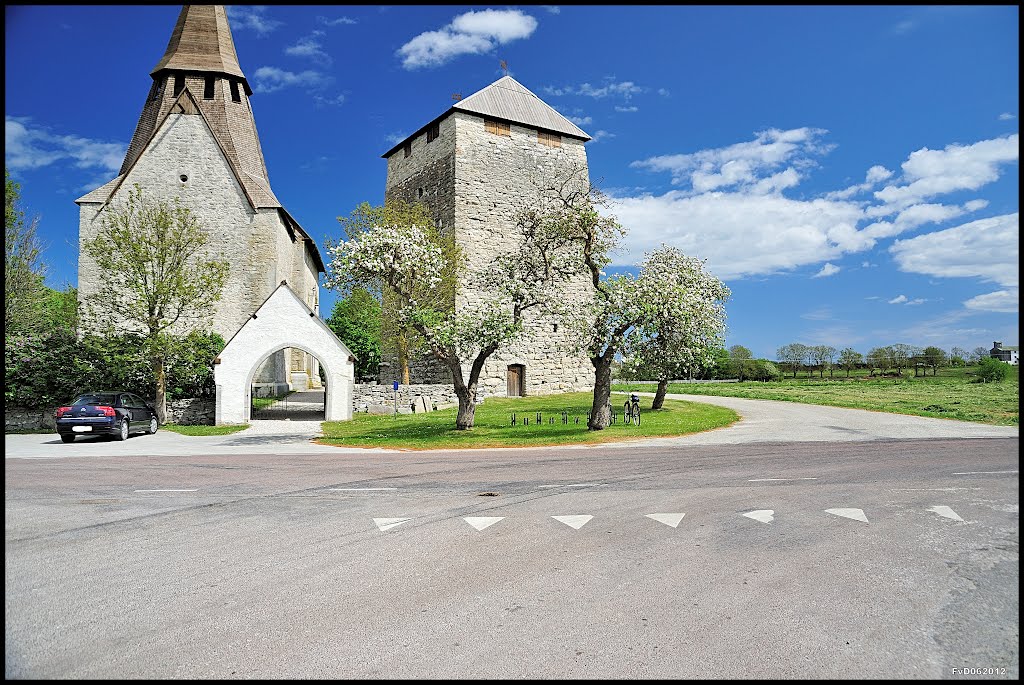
column 1004, row 353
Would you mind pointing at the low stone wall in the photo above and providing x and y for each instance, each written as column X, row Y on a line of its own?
column 380, row 398
column 195, row 411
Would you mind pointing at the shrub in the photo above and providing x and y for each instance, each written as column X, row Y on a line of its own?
column 992, row 370
column 44, row 370
column 761, row 370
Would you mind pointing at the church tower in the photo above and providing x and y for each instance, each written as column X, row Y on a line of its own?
column 476, row 166
column 196, row 140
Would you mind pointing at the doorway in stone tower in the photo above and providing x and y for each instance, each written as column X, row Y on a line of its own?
column 516, row 380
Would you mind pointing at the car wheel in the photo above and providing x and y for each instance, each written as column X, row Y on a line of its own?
column 123, row 435
column 67, row 438
column 153, row 425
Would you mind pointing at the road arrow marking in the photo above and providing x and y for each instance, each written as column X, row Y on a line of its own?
column 481, row 522
column 762, row 515
column 576, row 522
column 387, row 524
column 855, row 514
column 947, row 512
column 668, row 519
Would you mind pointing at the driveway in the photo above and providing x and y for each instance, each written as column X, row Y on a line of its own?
column 761, row 421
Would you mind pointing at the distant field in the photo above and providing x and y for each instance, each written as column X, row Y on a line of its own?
column 949, row 395
column 492, row 427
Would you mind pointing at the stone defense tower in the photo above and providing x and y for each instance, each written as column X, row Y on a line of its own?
column 476, row 166
column 196, row 140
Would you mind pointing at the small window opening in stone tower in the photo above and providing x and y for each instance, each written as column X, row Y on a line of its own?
column 498, row 128
column 419, row 192
column 433, row 132
column 179, row 84
column 554, row 328
column 407, row 148
column 235, row 96
column 549, row 139
column 208, row 88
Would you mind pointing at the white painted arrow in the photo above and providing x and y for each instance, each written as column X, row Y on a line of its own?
column 576, row 522
column 481, row 522
column 762, row 515
column 387, row 524
column 947, row 512
column 668, row 519
column 855, row 514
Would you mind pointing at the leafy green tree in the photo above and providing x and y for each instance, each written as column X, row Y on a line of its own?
column 793, row 354
column 739, row 355
column 934, row 357
column 24, row 270
column 958, row 356
column 356, row 320
column 850, row 359
column 992, row 370
column 880, row 358
column 155, row 277
column 399, row 337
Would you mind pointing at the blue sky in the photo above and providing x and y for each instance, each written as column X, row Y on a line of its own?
column 850, row 172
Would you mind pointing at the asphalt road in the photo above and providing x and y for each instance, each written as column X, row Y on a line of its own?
column 865, row 557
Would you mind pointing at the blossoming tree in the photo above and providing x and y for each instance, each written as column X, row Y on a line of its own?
column 408, row 258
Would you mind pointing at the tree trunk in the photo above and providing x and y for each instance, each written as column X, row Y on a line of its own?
column 161, row 389
column 659, row 396
column 403, row 359
column 600, row 412
column 467, row 405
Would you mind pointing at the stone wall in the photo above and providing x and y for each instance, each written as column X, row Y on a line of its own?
column 197, row 411
column 380, row 398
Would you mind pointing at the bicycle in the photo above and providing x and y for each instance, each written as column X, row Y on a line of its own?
column 631, row 409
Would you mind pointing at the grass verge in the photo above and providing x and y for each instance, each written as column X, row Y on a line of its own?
column 955, row 396
column 204, row 430
column 492, row 426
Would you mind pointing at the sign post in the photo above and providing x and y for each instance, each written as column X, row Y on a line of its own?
column 395, row 387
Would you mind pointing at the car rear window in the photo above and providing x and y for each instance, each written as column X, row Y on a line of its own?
column 85, row 400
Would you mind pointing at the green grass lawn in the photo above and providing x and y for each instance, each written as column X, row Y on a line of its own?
column 951, row 394
column 204, row 430
column 492, row 427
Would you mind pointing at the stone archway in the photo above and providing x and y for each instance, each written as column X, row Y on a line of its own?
column 282, row 321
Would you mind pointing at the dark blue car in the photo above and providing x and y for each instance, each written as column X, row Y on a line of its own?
column 115, row 413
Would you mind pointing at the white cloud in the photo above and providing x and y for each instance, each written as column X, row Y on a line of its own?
column 899, row 299
column 928, row 173
column 1007, row 301
column 28, row 147
column 731, row 208
column 580, row 121
column 270, row 79
column 829, row 269
column 311, row 47
column 1006, row 116
column 553, row 9
column 741, row 164
column 631, row 108
column 474, row 32
column 251, row 17
column 916, row 300
column 819, row 314
column 740, row 235
column 601, row 135
column 611, row 88
column 395, row 138
column 340, row 21
column 986, row 249
column 329, row 102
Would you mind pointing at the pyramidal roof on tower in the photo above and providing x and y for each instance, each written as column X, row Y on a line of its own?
column 202, row 42
column 508, row 99
column 201, row 45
